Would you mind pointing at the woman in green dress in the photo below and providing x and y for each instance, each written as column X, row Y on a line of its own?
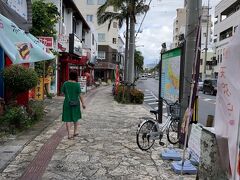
column 71, row 105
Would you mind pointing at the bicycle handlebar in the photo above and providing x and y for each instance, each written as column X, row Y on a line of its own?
column 169, row 104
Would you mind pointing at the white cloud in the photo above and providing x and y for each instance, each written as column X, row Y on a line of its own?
column 157, row 27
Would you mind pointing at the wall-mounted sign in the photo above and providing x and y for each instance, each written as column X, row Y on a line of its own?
column 47, row 41
column 75, row 45
column 63, row 43
column 20, row 6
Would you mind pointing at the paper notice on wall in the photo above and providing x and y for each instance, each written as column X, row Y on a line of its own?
column 228, row 98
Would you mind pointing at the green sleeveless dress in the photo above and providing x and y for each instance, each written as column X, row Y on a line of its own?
column 71, row 91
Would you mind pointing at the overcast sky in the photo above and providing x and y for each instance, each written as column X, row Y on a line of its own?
column 157, row 27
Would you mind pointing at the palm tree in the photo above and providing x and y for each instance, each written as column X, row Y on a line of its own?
column 126, row 11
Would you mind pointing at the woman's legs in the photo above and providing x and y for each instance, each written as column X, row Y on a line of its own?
column 68, row 129
column 75, row 129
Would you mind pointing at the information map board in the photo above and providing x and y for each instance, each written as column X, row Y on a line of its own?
column 170, row 74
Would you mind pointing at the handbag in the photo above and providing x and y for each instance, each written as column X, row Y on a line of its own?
column 72, row 103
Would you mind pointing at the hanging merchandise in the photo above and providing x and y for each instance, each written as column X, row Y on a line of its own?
column 20, row 47
column 228, row 100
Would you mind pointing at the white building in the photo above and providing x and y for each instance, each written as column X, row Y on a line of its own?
column 227, row 15
column 76, row 43
column 107, row 39
column 179, row 28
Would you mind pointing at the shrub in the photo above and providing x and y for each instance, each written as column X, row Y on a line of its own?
column 136, row 96
column 35, row 110
column 19, row 79
column 16, row 117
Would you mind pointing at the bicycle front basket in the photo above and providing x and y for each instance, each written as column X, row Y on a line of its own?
column 175, row 111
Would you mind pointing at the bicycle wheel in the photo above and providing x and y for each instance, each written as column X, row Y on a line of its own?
column 172, row 132
column 144, row 141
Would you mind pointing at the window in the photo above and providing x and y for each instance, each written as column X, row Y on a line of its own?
column 90, row 2
column 101, row 37
column 74, row 25
column 114, row 57
column 115, row 24
column 93, row 39
column 114, row 40
column 201, row 61
column 101, row 54
column 101, row 2
column 90, row 18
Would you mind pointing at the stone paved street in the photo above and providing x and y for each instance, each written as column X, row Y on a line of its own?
column 105, row 148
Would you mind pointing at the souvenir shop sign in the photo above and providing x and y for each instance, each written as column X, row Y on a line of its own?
column 47, row 41
column 19, row 46
column 228, row 99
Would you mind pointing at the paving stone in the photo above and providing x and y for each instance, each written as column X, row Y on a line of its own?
column 105, row 148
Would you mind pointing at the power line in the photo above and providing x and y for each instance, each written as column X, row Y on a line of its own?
column 143, row 18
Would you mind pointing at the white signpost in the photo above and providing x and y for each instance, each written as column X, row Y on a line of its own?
column 194, row 143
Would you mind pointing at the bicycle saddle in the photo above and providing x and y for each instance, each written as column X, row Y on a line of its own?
column 154, row 111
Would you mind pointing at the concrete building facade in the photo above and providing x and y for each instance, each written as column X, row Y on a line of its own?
column 227, row 14
column 107, row 39
column 179, row 28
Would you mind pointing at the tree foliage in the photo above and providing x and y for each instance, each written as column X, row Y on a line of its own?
column 44, row 18
column 138, row 60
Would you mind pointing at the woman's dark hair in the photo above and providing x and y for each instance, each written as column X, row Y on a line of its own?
column 73, row 76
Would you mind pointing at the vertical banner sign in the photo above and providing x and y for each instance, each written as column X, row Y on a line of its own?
column 39, row 90
column 228, row 99
column 170, row 74
column 117, row 81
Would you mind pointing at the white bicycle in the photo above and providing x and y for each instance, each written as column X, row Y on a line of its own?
column 150, row 129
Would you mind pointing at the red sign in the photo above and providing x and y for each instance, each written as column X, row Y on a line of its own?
column 47, row 41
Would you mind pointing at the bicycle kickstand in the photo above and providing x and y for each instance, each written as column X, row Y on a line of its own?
column 160, row 140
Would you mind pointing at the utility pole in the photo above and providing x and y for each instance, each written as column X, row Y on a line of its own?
column 206, row 47
column 126, row 51
column 193, row 11
column 131, row 43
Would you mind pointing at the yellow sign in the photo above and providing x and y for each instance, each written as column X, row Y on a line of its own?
column 39, row 90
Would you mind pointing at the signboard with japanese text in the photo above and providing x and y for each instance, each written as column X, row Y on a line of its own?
column 194, row 143
column 47, row 41
column 83, row 83
column 228, row 98
column 39, row 90
column 63, row 43
column 75, row 45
